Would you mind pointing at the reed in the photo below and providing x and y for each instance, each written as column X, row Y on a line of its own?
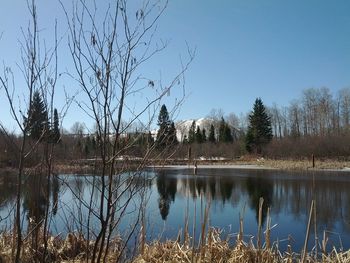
column 212, row 247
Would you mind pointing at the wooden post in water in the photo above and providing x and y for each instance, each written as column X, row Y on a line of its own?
column 195, row 168
column 313, row 161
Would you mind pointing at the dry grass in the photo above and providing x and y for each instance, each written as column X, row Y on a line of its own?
column 304, row 164
column 73, row 248
column 217, row 250
column 214, row 250
column 293, row 164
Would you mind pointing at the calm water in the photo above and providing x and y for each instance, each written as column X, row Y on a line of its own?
column 174, row 193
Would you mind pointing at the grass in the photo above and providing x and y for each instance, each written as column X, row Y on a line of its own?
column 305, row 164
column 217, row 250
column 74, row 248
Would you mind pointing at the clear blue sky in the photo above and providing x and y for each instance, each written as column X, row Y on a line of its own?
column 245, row 49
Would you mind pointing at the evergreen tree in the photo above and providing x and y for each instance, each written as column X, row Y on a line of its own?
column 259, row 130
column 225, row 134
column 211, row 137
column 204, row 135
column 166, row 135
column 163, row 123
column 37, row 122
column 222, row 130
column 228, row 133
column 150, row 139
column 192, row 133
column 55, row 133
column 198, row 135
column 172, row 139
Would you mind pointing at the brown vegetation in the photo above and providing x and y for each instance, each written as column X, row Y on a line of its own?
column 74, row 248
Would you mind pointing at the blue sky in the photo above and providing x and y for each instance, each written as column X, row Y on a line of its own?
column 269, row 49
column 245, row 49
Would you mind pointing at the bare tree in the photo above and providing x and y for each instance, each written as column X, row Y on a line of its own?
column 39, row 70
column 109, row 49
column 344, row 101
column 295, row 119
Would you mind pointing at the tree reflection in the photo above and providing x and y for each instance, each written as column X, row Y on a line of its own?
column 34, row 204
column 166, row 186
column 55, row 192
column 288, row 194
column 226, row 187
column 259, row 187
column 7, row 189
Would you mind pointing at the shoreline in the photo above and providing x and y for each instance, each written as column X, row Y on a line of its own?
column 331, row 165
column 251, row 163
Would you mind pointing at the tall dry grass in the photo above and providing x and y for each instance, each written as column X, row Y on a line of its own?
column 211, row 246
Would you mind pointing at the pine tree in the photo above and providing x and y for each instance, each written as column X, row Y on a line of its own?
column 37, row 122
column 192, row 133
column 204, row 135
column 150, row 140
column 55, row 133
column 228, row 133
column 198, row 135
column 222, row 130
column 166, row 135
column 172, row 139
column 211, row 137
column 225, row 134
column 163, row 123
column 259, row 130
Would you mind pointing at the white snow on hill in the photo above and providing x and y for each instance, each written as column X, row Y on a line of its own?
column 182, row 127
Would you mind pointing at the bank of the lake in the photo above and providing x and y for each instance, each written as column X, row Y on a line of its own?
column 86, row 167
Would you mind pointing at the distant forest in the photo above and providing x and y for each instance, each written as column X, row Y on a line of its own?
column 317, row 123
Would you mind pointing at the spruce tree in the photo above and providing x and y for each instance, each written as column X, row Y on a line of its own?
column 192, row 133
column 55, row 133
column 204, row 135
column 172, row 139
column 150, row 139
column 198, row 135
column 228, row 133
column 259, row 130
column 166, row 135
column 163, row 123
column 211, row 137
column 37, row 121
column 225, row 134
column 221, row 130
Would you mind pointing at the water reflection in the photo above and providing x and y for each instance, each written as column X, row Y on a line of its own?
column 172, row 192
column 286, row 193
column 35, row 197
column 167, row 190
column 259, row 187
column 7, row 189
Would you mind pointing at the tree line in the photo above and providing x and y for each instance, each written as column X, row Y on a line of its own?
column 316, row 123
column 317, row 112
column 258, row 134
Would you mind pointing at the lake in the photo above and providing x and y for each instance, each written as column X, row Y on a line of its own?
column 172, row 197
